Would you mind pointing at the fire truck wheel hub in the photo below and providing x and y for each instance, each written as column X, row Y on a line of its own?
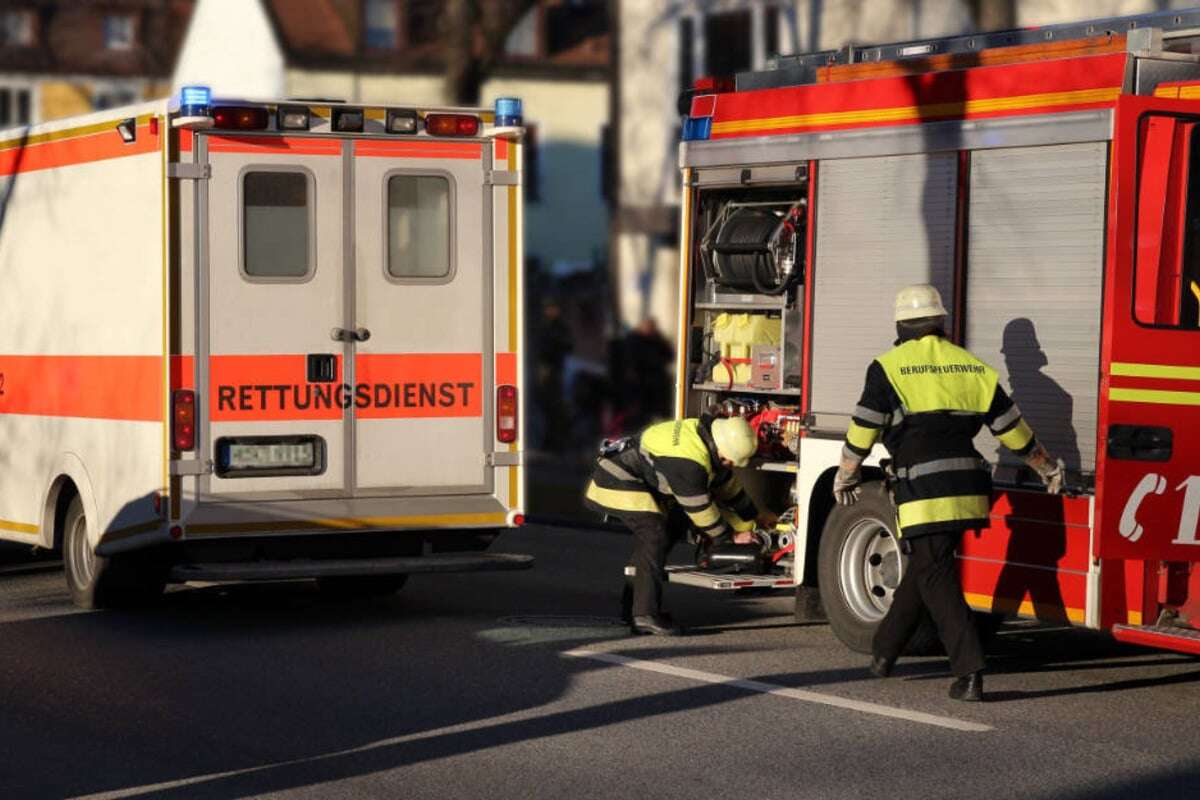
column 870, row 569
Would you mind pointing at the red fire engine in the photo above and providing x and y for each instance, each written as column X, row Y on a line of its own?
column 1047, row 181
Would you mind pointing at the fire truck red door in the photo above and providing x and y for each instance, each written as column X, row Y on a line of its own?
column 1148, row 487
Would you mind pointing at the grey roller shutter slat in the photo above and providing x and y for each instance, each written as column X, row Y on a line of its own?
column 882, row 224
column 1035, row 262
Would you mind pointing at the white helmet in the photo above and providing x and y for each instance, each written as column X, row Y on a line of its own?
column 735, row 439
column 919, row 301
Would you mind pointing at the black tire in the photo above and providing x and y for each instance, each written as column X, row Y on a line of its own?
column 98, row 582
column 859, row 565
column 352, row 586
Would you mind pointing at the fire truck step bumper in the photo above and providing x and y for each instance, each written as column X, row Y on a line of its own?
column 1180, row 640
column 690, row 576
column 327, row 568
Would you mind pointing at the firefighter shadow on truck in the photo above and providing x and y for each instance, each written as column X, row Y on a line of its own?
column 1035, row 521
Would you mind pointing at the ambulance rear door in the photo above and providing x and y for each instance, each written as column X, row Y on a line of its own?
column 272, row 350
column 422, row 307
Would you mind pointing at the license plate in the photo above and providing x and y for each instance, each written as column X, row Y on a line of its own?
column 239, row 457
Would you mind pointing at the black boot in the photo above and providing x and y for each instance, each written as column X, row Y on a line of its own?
column 881, row 667
column 968, row 687
column 656, row 625
column 627, row 604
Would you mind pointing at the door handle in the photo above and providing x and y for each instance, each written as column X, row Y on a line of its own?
column 344, row 335
column 1140, row 443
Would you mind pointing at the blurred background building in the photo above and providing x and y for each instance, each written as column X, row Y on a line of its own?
column 64, row 58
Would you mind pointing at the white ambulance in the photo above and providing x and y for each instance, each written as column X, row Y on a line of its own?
column 251, row 340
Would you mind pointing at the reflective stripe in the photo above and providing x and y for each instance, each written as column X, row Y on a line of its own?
column 860, row 437
column 615, row 471
column 1018, row 437
column 694, row 500
column 1006, row 419
column 868, row 415
column 664, row 486
column 705, row 516
column 622, row 500
column 944, row 509
column 940, row 465
column 1157, row 396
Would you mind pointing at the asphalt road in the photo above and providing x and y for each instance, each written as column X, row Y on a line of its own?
column 520, row 685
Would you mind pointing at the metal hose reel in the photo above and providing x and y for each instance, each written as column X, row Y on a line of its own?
column 755, row 247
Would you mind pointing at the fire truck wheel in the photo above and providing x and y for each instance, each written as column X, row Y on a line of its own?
column 859, row 567
column 350, row 586
column 99, row 582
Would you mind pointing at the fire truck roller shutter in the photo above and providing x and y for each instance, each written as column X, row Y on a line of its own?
column 882, row 224
column 1035, row 264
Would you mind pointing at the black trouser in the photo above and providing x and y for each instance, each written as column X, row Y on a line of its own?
column 931, row 582
column 653, row 537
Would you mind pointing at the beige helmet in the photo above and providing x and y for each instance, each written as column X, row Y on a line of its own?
column 919, row 301
column 735, row 439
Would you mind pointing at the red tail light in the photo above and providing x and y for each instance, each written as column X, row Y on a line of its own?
column 183, row 419
column 451, row 124
column 506, row 414
column 242, row 118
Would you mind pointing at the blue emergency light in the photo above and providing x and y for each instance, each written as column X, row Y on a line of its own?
column 508, row 112
column 697, row 129
column 194, row 101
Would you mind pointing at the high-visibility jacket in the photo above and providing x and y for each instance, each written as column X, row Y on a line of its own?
column 672, row 462
column 928, row 398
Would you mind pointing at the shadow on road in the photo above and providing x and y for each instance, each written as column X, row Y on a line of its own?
column 281, row 683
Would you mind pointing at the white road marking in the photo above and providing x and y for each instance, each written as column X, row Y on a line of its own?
column 781, row 691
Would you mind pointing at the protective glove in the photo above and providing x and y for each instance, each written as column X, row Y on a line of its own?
column 846, row 490
column 1054, row 476
column 1051, row 470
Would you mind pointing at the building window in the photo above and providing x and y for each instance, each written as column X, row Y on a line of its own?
column 381, row 24
column 276, row 225
column 728, row 43
column 418, row 226
column 113, row 96
column 118, row 32
column 15, row 106
column 771, row 32
column 16, row 28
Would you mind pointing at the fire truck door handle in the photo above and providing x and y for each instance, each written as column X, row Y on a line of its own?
column 361, row 334
column 1140, row 442
column 341, row 335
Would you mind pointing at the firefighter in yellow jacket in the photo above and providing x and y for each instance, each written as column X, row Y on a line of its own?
column 672, row 476
column 927, row 399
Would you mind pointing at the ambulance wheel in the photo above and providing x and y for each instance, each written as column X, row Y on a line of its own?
column 859, row 567
column 351, row 586
column 99, row 582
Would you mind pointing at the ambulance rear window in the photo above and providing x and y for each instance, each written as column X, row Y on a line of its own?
column 418, row 227
column 276, row 225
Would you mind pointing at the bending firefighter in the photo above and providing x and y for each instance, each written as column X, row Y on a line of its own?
column 673, row 476
column 928, row 399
